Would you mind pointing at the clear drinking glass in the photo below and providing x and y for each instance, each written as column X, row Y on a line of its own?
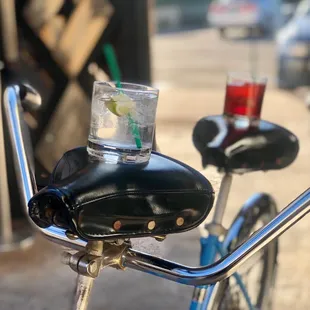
column 244, row 95
column 122, row 122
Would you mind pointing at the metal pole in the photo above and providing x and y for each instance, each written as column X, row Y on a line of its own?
column 9, row 30
column 254, row 57
column 83, row 289
column 221, row 201
column 9, row 239
column 85, row 284
column 6, row 233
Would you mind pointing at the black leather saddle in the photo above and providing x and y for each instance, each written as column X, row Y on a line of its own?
column 95, row 200
column 239, row 148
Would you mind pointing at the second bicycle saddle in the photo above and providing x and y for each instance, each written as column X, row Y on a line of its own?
column 236, row 148
column 95, row 200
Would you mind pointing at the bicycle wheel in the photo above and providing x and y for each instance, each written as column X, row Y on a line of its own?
column 259, row 272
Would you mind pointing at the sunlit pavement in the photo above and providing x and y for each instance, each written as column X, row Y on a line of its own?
column 197, row 90
column 191, row 67
column 199, row 59
column 282, row 108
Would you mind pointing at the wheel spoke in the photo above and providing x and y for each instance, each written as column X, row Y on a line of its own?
column 253, row 272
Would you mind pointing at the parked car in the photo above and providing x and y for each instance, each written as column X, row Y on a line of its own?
column 287, row 11
column 262, row 15
column 293, row 49
column 168, row 17
column 181, row 14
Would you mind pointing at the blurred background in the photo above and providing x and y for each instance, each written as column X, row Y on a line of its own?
column 185, row 48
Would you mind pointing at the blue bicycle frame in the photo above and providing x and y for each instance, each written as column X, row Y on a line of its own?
column 212, row 249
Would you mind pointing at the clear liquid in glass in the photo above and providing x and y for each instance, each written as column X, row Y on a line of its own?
column 126, row 138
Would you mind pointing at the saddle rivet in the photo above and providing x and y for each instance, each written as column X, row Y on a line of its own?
column 151, row 225
column 117, row 225
column 180, row 221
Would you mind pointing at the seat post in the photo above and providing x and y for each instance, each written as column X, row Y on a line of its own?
column 88, row 267
column 84, row 285
column 221, row 201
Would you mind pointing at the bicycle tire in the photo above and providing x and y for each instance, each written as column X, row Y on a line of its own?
column 264, row 210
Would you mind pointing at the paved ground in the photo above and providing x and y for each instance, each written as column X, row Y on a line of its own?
column 200, row 60
column 191, row 70
column 197, row 89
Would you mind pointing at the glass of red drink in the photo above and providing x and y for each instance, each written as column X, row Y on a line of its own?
column 244, row 96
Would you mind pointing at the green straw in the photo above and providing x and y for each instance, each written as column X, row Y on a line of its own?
column 110, row 56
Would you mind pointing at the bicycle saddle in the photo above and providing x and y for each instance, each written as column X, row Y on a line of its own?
column 95, row 200
column 237, row 148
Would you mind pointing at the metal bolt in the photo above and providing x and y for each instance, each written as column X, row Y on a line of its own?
column 160, row 238
column 70, row 235
column 117, row 225
column 180, row 221
column 93, row 267
column 151, row 225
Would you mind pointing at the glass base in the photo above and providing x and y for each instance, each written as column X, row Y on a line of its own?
column 240, row 121
column 118, row 155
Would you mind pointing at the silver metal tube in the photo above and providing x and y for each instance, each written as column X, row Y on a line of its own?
column 226, row 266
column 9, row 30
column 6, row 232
column 83, row 290
column 221, row 201
column 26, row 179
column 84, row 284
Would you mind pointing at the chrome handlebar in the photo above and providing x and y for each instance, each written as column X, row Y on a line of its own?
column 225, row 267
column 137, row 260
column 25, row 175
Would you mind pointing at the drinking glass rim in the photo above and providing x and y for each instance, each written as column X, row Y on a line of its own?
column 246, row 76
column 138, row 87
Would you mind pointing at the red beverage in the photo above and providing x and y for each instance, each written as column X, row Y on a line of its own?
column 244, row 99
